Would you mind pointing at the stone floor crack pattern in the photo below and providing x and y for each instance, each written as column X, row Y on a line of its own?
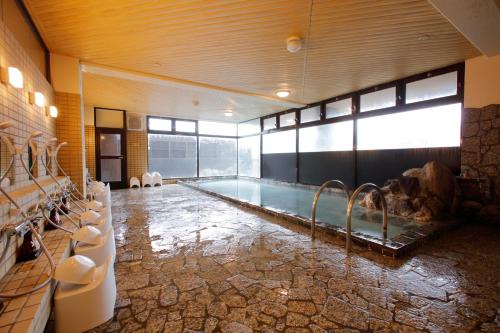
column 187, row 262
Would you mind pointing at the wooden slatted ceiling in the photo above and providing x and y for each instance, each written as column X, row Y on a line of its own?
column 149, row 98
column 351, row 44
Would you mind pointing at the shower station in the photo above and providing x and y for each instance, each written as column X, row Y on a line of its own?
column 86, row 293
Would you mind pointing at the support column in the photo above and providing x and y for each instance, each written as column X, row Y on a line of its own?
column 66, row 80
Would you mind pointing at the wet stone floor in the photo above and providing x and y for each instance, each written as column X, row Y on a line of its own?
column 188, row 262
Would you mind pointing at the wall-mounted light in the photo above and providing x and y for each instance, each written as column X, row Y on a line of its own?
column 37, row 98
column 53, row 111
column 15, row 77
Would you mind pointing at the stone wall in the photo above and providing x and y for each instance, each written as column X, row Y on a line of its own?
column 481, row 146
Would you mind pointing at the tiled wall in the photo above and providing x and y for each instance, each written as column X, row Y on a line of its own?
column 15, row 105
column 69, row 129
column 481, row 145
column 90, row 149
column 137, row 153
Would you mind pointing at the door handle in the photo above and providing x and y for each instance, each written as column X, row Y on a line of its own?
column 120, row 157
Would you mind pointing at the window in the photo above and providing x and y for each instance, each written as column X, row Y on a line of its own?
column 379, row 99
column 216, row 128
column 249, row 127
column 311, row 114
column 331, row 137
column 249, row 156
column 108, row 118
column 174, row 156
column 287, row 119
column 185, row 126
column 269, row 123
column 339, row 108
column 279, row 142
column 217, row 156
column 431, row 127
column 159, row 124
column 433, row 87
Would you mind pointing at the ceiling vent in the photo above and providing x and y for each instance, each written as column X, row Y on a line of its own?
column 135, row 122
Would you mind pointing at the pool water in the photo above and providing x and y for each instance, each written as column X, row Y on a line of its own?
column 296, row 200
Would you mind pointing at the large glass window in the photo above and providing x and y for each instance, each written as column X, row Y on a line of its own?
column 311, row 114
column 339, row 108
column 249, row 127
column 159, row 124
column 269, row 123
column 249, row 156
column 433, row 87
column 217, row 156
column 432, row 127
column 331, row 137
column 379, row 99
column 216, row 128
column 185, row 126
column 279, row 142
column 287, row 119
column 174, row 156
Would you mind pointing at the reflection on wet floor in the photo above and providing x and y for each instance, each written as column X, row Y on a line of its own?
column 188, row 262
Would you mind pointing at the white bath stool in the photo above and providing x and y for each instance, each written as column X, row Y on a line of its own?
column 157, row 179
column 98, row 253
column 147, row 180
column 134, row 182
column 81, row 307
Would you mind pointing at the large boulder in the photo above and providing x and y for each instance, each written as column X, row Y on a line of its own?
column 420, row 193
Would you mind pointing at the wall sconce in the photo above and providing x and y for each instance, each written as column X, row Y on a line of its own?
column 53, row 111
column 37, row 98
column 13, row 76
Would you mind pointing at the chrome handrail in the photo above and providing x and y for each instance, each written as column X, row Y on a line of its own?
column 351, row 205
column 316, row 199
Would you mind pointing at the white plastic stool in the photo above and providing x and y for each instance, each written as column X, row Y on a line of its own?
column 78, row 308
column 134, row 182
column 98, row 252
column 157, row 180
column 147, row 180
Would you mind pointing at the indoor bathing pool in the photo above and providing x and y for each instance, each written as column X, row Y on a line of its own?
column 294, row 202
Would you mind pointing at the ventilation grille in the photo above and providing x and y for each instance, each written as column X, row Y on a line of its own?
column 135, row 122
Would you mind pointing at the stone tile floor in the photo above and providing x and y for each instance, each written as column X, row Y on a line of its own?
column 187, row 262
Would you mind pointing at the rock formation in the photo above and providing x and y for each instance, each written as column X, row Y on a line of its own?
column 420, row 193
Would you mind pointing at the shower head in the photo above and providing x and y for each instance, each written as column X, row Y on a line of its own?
column 34, row 134
column 6, row 124
column 56, row 151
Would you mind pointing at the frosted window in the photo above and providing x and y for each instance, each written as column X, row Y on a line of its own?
column 217, row 157
column 339, row 108
column 249, row 127
column 108, row 118
column 249, row 156
column 425, row 128
column 331, row 137
column 174, row 156
column 216, row 128
column 269, row 123
column 311, row 114
column 287, row 119
column 279, row 142
column 380, row 99
column 160, row 124
column 111, row 170
column 110, row 145
column 433, row 87
column 185, row 126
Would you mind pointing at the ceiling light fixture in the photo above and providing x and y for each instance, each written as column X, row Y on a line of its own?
column 293, row 44
column 228, row 113
column 283, row 93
